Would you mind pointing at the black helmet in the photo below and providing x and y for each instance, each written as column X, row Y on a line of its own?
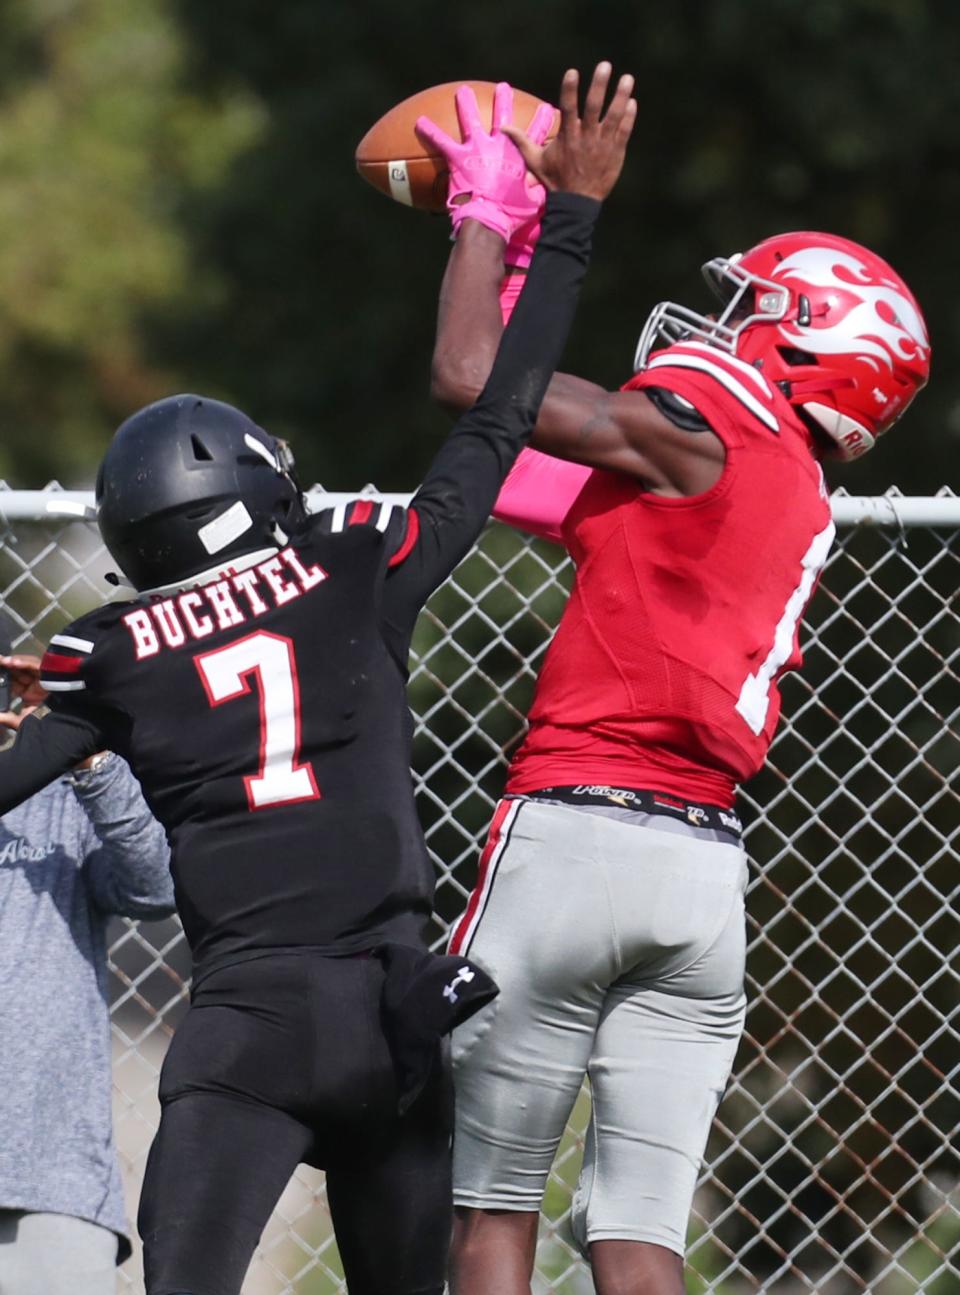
column 187, row 483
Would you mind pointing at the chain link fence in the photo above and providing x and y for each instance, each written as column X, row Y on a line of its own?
column 833, row 1166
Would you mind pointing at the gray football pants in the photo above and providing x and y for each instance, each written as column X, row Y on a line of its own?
column 619, row 951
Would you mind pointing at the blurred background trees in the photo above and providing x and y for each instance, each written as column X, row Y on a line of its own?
column 179, row 208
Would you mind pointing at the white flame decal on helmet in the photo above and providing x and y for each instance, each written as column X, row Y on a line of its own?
column 863, row 328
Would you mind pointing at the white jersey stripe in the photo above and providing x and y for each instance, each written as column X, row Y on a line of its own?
column 724, row 357
column 735, row 387
column 67, row 640
column 383, row 521
column 59, row 685
column 338, row 520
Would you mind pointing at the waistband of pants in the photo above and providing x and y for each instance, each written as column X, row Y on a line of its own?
column 709, row 817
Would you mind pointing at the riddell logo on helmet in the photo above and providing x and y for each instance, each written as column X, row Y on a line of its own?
column 855, row 443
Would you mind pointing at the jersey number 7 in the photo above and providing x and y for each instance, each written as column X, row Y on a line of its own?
column 226, row 673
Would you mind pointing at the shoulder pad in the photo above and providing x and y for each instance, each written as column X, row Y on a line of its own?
column 355, row 512
column 400, row 525
column 65, row 666
column 734, row 376
column 678, row 410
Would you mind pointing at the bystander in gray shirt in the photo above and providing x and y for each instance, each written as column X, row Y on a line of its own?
column 81, row 850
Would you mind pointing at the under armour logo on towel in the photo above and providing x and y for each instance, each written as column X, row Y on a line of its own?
column 463, row 976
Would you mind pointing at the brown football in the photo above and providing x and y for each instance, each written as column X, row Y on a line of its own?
column 394, row 159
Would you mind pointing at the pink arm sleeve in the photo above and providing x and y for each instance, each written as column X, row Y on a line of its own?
column 539, row 490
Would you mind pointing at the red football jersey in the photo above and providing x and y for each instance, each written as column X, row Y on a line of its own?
column 684, row 612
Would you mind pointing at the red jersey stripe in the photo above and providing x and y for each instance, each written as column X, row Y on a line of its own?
column 360, row 512
column 409, row 539
column 56, row 663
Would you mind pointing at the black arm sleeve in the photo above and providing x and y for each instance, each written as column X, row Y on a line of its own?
column 465, row 477
column 44, row 749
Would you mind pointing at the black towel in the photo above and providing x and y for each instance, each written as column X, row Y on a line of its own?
column 424, row 996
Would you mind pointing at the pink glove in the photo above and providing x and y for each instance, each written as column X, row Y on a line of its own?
column 487, row 168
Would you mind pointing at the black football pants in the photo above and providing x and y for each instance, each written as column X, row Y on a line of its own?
column 281, row 1060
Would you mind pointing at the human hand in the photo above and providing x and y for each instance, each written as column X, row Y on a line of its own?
column 12, row 719
column 587, row 155
column 488, row 177
column 24, row 672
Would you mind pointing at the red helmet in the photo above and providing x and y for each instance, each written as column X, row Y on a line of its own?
column 828, row 321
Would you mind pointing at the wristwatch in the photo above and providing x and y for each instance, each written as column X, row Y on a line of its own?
column 80, row 777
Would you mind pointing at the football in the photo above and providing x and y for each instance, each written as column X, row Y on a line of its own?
column 392, row 157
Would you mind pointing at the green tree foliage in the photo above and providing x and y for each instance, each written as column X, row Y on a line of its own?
column 179, row 210
column 179, row 207
column 100, row 143
column 755, row 117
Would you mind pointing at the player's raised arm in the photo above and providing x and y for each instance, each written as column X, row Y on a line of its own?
column 579, row 420
column 464, row 478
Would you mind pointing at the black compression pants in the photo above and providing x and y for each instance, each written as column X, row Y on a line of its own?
column 281, row 1060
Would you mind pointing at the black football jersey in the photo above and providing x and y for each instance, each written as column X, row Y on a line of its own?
column 265, row 715
column 263, row 706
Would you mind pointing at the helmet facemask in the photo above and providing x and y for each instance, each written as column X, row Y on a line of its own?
column 746, row 300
